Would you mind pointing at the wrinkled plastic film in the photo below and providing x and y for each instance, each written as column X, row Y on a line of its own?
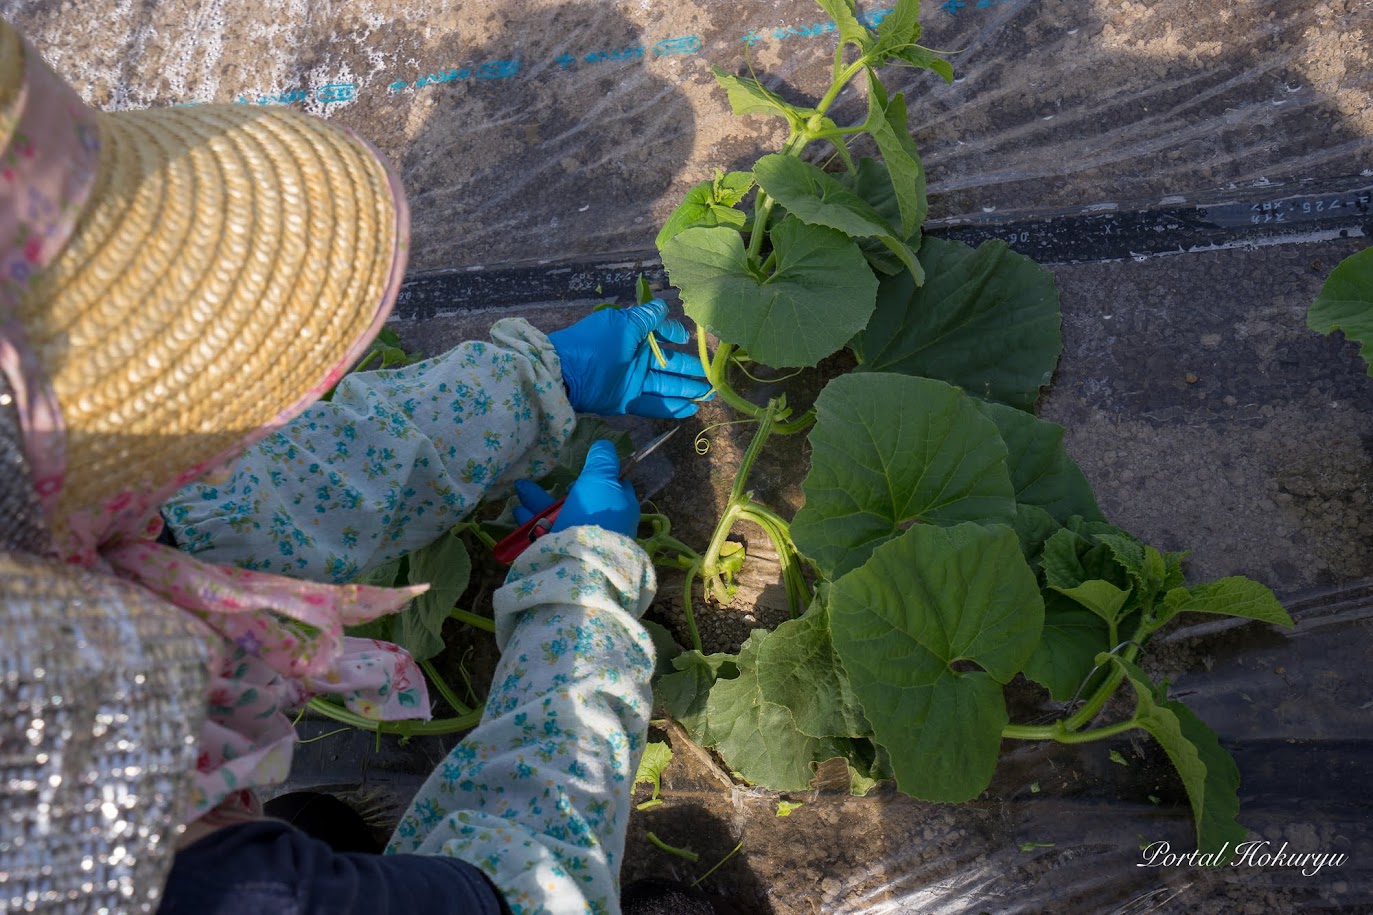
column 534, row 130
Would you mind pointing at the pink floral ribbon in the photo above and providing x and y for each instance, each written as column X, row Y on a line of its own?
column 283, row 643
column 48, row 158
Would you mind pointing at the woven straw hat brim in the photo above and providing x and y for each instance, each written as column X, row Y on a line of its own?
column 227, row 260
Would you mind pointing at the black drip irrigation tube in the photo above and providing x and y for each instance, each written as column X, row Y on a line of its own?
column 1247, row 218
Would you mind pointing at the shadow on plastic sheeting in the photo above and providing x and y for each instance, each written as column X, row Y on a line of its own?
column 554, row 152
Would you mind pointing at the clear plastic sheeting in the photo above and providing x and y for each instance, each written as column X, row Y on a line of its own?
column 534, row 130
column 1203, row 411
column 1067, row 829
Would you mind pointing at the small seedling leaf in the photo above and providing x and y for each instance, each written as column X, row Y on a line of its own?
column 748, row 96
column 1066, row 653
column 1345, row 303
column 851, row 31
column 787, row 808
column 887, row 124
column 899, row 30
column 818, row 199
column 987, row 320
column 699, row 208
column 656, row 757
column 927, row 599
column 1118, row 759
column 1101, row 597
column 1208, row 771
column 1237, row 596
column 820, row 294
column 445, row 566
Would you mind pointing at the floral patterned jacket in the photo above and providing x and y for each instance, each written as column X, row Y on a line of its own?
column 537, row 797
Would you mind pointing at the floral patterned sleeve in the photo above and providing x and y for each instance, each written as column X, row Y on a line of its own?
column 394, row 460
column 538, row 795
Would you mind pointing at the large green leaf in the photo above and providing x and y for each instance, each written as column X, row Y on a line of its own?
column 1208, row 772
column 889, row 451
column 887, row 123
column 1346, row 303
column 987, row 320
column 908, row 624
column 1041, row 470
column 820, row 294
column 1237, row 596
column 445, row 566
column 798, row 669
column 748, row 96
column 819, row 199
column 1066, row 653
column 708, row 204
column 759, row 739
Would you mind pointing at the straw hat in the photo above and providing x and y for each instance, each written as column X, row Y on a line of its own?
column 175, row 282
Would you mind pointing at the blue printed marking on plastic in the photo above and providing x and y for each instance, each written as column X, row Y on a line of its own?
column 336, row 92
column 499, row 69
column 687, row 44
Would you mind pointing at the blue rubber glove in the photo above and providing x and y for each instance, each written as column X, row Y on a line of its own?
column 609, row 368
column 598, row 497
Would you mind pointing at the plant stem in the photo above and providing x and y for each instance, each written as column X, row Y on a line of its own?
column 710, row 563
column 716, row 372
column 486, row 539
column 779, row 532
column 734, row 851
column 1059, row 732
column 444, row 689
column 687, row 610
column 762, row 209
column 673, row 850
column 799, row 424
column 473, row 620
column 1098, row 699
column 404, row 728
column 755, row 447
column 838, row 85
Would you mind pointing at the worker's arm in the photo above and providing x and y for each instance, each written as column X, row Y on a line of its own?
column 400, row 456
column 267, row 866
column 394, row 460
column 538, row 796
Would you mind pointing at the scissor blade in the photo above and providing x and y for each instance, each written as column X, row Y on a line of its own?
column 633, row 460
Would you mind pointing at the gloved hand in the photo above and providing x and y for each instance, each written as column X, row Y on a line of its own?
column 598, row 496
column 609, row 367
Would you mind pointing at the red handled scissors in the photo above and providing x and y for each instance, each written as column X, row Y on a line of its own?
column 516, row 543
